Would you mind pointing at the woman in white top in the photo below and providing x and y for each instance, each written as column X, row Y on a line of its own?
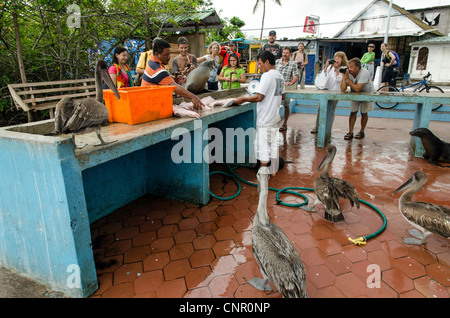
column 334, row 80
column 213, row 49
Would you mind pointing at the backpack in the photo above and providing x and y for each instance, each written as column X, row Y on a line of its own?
column 397, row 64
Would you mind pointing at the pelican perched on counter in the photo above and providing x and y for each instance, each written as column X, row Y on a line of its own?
column 81, row 117
column 426, row 217
column 275, row 255
column 328, row 190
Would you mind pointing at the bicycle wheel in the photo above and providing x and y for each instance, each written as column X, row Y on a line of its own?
column 432, row 89
column 387, row 88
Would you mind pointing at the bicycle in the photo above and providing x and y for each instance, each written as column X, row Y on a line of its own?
column 423, row 86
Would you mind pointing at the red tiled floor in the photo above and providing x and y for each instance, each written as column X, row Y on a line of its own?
column 157, row 247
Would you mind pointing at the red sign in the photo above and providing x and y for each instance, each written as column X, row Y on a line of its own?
column 311, row 25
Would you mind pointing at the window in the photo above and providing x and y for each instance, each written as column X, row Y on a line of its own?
column 422, row 59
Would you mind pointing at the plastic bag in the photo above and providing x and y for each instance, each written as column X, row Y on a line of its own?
column 321, row 81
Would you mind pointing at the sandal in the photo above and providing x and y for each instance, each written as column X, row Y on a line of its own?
column 283, row 128
column 360, row 135
column 349, row 136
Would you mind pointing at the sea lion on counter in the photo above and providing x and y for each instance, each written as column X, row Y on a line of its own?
column 196, row 80
column 435, row 149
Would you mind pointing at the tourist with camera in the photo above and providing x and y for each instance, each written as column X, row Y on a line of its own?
column 333, row 71
column 358, row 79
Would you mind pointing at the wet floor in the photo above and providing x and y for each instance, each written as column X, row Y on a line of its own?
column 156, row 247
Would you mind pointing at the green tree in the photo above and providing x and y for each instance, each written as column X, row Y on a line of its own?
column 231, row 30
column 53, row 49
column 257, row 4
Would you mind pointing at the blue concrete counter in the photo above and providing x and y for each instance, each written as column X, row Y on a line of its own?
column 424, row 104
column 51, row 193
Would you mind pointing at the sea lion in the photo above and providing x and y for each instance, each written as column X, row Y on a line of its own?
column 435, row 149
column 196, row 80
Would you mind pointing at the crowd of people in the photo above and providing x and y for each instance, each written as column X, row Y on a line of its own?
column 356, row 74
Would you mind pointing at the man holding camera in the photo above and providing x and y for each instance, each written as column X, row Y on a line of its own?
column 359, row 81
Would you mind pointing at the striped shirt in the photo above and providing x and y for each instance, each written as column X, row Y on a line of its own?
column 288, row 70
column 156, row 74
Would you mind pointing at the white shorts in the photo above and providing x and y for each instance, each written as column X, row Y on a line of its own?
column 266, row 143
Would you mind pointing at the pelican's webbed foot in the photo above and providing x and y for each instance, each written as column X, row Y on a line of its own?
column 261, row 284
column 417, row 239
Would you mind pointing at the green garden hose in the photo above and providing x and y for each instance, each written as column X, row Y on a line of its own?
column 235, row 177
column 363, row 239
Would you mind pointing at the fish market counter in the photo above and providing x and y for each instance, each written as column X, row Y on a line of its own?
column 423, row 101
column 50, row 192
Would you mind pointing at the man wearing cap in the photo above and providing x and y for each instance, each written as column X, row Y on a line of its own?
column 272, row 47
column 225, row 52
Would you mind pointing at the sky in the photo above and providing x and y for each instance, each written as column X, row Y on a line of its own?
column 288, row 19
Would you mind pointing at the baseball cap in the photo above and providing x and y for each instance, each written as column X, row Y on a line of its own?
column 272, row 32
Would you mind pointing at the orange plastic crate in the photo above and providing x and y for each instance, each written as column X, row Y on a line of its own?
column 139, row 104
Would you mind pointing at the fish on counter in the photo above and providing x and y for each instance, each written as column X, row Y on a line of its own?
column 186, row 109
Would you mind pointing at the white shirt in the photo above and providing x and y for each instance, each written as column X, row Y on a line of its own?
column 272, row 87
column 334, row 82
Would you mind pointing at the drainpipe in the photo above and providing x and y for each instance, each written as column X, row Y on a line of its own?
column 386, row 36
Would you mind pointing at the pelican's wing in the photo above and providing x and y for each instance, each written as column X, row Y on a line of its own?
column 324, row 189
column 280, row 262
column 346, row 190
column 435, row 218
column 87, row 114
column 63, row 110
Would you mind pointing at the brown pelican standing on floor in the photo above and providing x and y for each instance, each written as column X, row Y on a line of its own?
column 426, row 217
column 328, row 190
column 87, row 115
column 275, row 255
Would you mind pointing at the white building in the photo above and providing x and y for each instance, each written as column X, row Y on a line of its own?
column 431, row 55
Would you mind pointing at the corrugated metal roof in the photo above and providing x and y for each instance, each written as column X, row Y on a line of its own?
column 207, row 19
column 439, row 39
column 423, row 26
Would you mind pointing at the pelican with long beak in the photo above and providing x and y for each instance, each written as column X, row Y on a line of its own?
column 425, row 217
column 274, row 253
column 81, row 117
column 329, row 190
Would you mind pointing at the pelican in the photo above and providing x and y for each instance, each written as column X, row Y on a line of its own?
column 275, row 255
column 87, row 115
column 328, row 190
column 426, row 217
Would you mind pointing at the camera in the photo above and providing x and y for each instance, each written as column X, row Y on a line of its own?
column 343, row 70
column 331, row 61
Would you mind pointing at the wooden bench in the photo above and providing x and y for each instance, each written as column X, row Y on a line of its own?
column 40, row 96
